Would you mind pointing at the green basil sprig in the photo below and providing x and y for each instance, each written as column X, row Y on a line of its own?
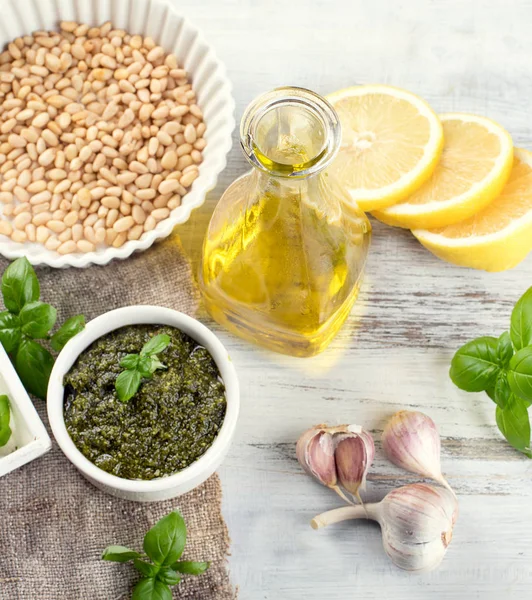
column 502, row 367
column 28, row 319
column 163, row 546
column 138, row 366
column 5, row 416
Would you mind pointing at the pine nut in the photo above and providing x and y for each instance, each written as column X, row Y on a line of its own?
column 138, row 214
column 160, row 213
column 123, row 224
column 6, row 228
column 85, row 246
column 67, row 247
column 168, row 186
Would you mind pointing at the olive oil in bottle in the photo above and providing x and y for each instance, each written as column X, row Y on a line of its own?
column 285, row 249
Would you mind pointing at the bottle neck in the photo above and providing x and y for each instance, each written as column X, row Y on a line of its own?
column 290, row 133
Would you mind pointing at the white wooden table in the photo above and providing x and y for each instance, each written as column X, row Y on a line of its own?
column 413, row 312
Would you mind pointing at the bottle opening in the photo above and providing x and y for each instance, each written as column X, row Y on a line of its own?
column 290, row 132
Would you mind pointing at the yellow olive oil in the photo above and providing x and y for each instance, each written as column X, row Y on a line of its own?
column 283, row 257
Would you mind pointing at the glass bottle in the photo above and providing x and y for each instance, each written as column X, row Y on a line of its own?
column 285, row 248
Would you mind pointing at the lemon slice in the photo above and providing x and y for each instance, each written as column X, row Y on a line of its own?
column 474, row 166
column 391, row 143
column 496, row 238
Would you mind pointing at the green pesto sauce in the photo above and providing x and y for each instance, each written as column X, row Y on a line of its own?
column 170, row 422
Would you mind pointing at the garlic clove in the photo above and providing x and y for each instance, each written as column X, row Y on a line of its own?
column 354, row 454
column 315, row 452
column 416, row 521
column 411, row 441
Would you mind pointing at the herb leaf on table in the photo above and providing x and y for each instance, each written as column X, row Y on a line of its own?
column 514, row 423
column 190, row 567
column 34, row 364
column 27, row 319
column 521, row 321
column 10, row 330
column 475, row 366
column 151, row 589
column 502, row 367
column 505, row 349
column 520, row 373
column 20, row 285
column 36, row 319
column 5, row 416
column 145, row 568
column 119, row 554
column 140, row 366
column 169, row 576
column 68, row 330
column 163, row 544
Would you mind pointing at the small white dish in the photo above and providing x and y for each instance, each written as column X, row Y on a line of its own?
column 164, row 487
column 29, row 439
column 160, row 20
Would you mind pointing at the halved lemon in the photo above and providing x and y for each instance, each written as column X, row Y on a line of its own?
column 475, row 164
column 391, row 143
column 498, row 237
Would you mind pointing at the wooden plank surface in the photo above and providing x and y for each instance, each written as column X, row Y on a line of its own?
column 413, row 312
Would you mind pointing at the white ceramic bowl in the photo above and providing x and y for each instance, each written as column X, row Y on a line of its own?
column 161, row 20
column 164, row 487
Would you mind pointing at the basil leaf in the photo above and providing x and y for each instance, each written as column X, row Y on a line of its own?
column 144, row 367
column 514, row 423
column 165, row 541
column 5, row 417
column 156, row 364
column 168, row 576
column 145, row 568
column 37, row 318
column 20, row 285
column 151, row 589
column 127, row 384
column 148, row 365
column 119, row 554
column 157, row 344
column 521, row 322
column 190, row 567
column 501, row 391
column 475, row 365
column 520, row 373
column 130, row 361
column 34, row 365
column 505, row 349
column 67, row 331
column 9, row 331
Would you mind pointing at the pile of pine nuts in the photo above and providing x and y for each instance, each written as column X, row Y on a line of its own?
column 100, row 137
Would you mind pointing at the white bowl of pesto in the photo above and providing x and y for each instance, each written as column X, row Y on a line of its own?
column 115, row 323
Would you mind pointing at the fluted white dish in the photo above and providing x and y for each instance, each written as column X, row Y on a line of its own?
column 161, row 20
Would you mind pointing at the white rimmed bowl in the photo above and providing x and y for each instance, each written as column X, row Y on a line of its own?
column 164, row 487
column 161, row 20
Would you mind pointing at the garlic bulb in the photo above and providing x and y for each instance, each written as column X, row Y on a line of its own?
column 340, row 454
column 411, row 441
column 416, row 521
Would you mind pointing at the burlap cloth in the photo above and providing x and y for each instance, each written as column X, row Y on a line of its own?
column 53, row 523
